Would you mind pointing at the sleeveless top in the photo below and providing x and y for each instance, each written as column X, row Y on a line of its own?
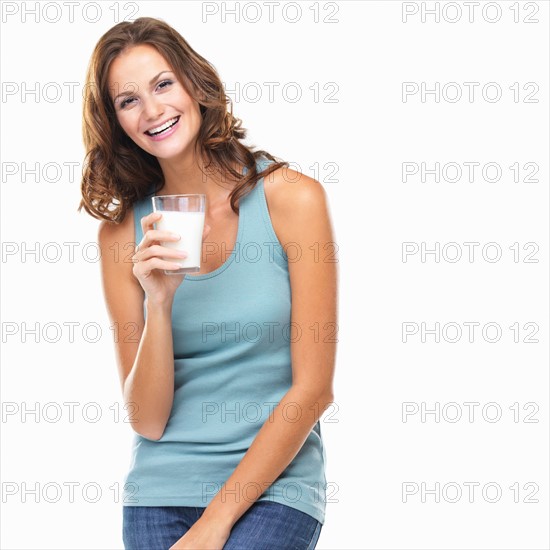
column 232, row 365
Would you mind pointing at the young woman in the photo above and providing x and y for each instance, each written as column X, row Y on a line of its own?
column 226, row 372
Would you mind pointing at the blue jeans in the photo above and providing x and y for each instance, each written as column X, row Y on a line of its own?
column 266, row 525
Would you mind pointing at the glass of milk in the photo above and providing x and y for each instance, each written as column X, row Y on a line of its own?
column 184, row 215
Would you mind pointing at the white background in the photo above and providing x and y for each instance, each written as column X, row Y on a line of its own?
column 368, row 131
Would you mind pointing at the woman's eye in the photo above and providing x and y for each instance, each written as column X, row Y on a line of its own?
column 126, row 102
column 165, row 84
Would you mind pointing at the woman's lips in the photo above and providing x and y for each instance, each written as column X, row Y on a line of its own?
column 166, row 133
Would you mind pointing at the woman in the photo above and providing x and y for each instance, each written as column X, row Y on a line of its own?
column 227, row 372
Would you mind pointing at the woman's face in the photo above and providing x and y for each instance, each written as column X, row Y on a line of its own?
column 152, row 107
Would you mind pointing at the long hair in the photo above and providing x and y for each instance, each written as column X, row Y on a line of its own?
column 117, row 172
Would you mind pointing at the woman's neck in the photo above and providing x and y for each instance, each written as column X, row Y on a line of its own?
column 185, row 176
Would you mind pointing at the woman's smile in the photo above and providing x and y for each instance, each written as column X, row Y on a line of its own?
column 164, row 130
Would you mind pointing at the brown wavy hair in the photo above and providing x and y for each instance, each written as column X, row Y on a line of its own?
column 116, row 172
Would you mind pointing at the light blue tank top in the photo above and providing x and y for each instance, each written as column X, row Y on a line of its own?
column 232, row 335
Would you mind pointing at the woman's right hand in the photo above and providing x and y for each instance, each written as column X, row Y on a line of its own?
column 149, row 262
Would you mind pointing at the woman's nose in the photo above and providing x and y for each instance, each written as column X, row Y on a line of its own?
column 152, row 108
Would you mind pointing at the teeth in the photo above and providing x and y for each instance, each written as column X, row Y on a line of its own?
column 165, row 126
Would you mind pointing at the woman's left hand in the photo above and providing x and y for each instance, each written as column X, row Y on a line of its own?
column 203, row 535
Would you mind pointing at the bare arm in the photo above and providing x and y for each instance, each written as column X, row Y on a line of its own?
column 144, row 348
column 300, row 215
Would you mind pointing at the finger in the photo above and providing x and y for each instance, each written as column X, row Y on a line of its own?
column 148, row 221
column 145, row 268
column 147, row 224
column 153, row 236
column 159, row 251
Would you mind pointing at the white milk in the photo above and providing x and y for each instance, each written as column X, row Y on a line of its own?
column 189, row 225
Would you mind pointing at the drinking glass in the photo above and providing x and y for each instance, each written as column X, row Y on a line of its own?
column 184, row 215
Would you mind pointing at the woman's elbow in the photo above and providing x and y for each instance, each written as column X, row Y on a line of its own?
column 153, row 433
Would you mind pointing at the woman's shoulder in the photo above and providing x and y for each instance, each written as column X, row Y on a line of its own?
column 293, row 200
column 110, row 232
column 292, row 191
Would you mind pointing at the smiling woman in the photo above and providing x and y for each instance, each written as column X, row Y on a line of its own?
column 126, row 65
column 145, row 101
column 225, row 372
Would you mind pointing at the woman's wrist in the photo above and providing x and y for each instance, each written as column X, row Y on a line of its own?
column 221, row 514
column 161, row 306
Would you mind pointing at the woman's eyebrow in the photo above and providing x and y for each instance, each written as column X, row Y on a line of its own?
column 151, row 82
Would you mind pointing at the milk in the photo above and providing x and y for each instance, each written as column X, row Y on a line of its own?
column 189, row 225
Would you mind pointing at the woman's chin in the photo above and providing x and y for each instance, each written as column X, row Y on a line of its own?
column 173, row 147
column 170, row 151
